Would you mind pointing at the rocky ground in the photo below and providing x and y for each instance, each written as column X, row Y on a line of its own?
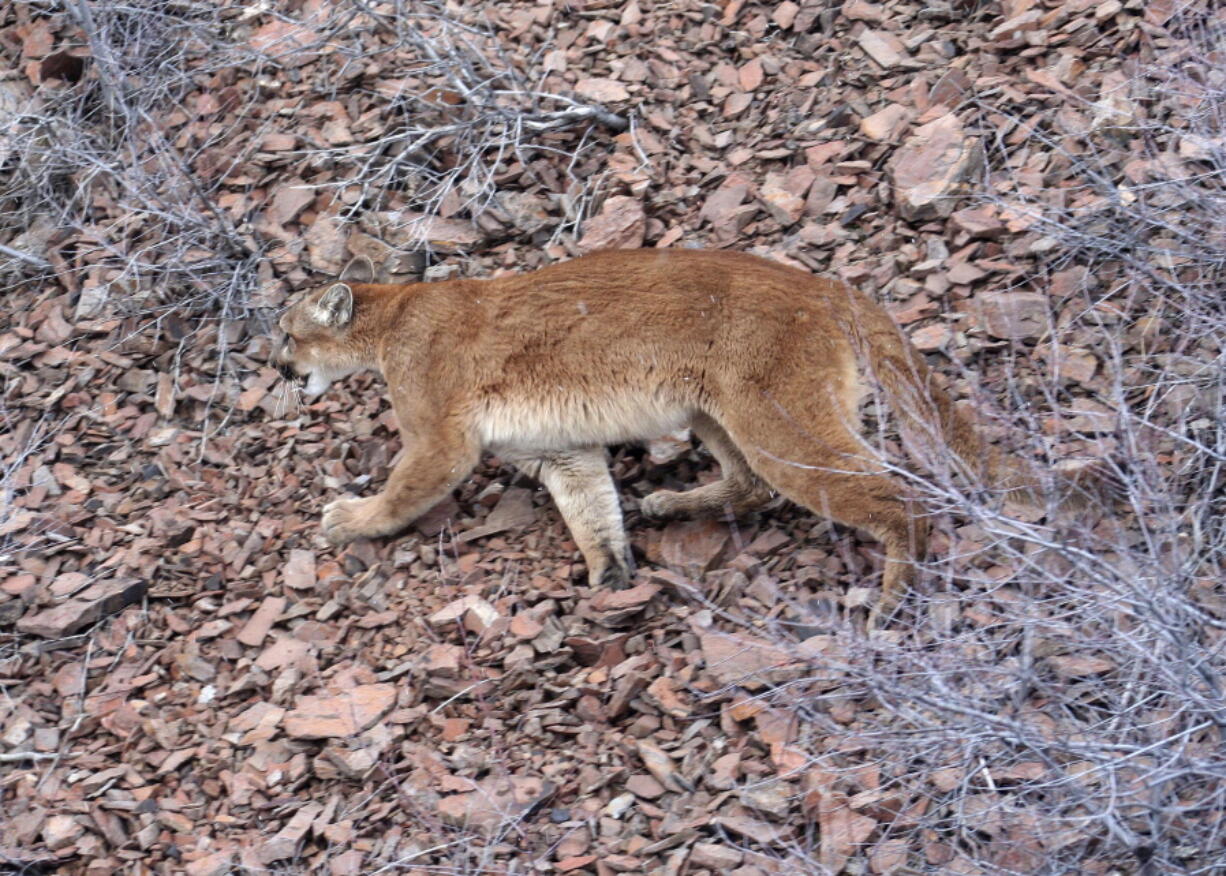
column 193, row 681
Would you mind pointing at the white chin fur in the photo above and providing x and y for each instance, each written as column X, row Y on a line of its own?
column 316, row 384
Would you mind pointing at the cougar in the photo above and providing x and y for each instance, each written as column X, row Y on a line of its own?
column 765, row 363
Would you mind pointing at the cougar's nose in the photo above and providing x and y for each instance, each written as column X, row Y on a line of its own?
column 286, row 371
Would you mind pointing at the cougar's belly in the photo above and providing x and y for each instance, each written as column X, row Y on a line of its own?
column 567, row 421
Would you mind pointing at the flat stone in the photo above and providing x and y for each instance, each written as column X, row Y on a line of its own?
column 482, row 614
column 493, row 802
column 745, row 660
column 60, row 831
column 950, row 88
column 660, row 765
column 349, row 713
column 663, row 691
column 842, row 830
column 964, row 273
column 724, row 772
column 773, row 798
column 751, row 828
column 354, row 758
column 930, row 171
column 695, row 546
column 216, row 864
column 87, row 607
column 859, row 10
column 529, row 213
column 723, row 207
column 643, row 785
column 1088, row 415
column 621, row 224
column 285, row 650
column 299, row 570
column 1071, row 281
column 619, row 600
column 785, row 206
column 443, row 660
column 261, row 622
column 601, row 90
column 326, row 239
column 290, row 200
column 257, row 723
column 91, row 303
column 885, row 49
column 284, row 844
column 932, row 337
column 513, row 511
column 408, row 230
column 525, row 626
column 721, row 859
column 982, row 221
column 1013, row 28
column 1013, row 315
column 884, row 124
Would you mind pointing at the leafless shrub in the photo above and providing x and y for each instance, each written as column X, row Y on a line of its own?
column 455, row 117
column 1053, row 701
column 116, row 157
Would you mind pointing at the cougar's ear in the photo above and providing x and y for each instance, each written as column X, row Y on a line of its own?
column 335, row 307
column 359, row 270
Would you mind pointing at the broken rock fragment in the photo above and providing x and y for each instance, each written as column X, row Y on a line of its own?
column 746, row 660
column 103, row 598
column 614, row 608
column 472, row 611
column 285, row 843
column 620, row 224
column 784, row 205
column 494, row 801
column 660, row 765
column 353, row 758
column 932, row 169
column 695, row 546
column 885, row 123
column 1013, row 315
column 325, row 717
column 884, row 48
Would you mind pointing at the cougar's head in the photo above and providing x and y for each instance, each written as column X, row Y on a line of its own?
column 319, row 344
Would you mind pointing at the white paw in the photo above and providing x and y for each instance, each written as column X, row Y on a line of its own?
column 658, row 504
column 342, row 520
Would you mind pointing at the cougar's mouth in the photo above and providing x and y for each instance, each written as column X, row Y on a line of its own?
column 288, row 373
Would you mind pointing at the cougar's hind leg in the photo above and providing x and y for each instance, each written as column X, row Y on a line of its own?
column 826, row 471
column 738, row 492
column 583, row 490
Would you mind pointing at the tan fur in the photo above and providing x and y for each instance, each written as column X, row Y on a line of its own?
column 766, row 363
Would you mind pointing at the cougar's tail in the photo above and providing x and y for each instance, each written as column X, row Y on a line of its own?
column 937, row 426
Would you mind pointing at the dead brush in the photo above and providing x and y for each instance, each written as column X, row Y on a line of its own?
column 107, row 183
column 1055, row 701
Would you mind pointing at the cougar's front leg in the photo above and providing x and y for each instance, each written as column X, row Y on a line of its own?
column 583, row 490
column 431, row 468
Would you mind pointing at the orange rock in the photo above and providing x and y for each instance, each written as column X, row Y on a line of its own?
column 321, row 717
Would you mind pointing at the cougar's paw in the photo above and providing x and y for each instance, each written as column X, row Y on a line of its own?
column 614, row 577
column 661, row 504
column 886, row 614
column 347, row 519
